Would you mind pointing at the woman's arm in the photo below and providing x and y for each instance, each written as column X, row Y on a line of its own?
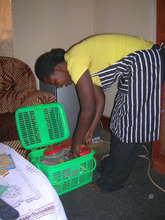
column 100, row 103
column 86, row 94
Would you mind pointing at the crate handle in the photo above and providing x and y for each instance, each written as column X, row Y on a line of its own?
column 94, row 165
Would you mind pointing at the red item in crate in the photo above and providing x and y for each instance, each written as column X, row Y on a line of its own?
column 52, row 149
column 55, row 149
column 84, row 150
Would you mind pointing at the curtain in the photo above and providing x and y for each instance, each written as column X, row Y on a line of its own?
column 6, row 33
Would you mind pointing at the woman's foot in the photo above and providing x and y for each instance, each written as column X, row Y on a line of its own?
column 95, row 187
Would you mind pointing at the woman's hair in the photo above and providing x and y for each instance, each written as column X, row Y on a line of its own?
column 46, row 62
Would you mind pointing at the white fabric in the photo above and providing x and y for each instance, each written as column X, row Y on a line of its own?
column 30, row 191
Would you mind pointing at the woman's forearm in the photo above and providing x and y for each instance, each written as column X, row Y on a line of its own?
column 84, row 123
column 86, row 94
column 100, row 103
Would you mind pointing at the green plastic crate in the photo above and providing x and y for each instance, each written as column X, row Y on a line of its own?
column 46, row 124
column 68, row 175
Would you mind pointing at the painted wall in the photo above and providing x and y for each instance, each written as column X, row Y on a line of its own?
column 43, row 24
column 136, row 17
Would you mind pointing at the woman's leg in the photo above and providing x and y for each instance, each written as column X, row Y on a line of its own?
column 116, row 168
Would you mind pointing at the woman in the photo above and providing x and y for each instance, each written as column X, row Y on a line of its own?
column 82, row 65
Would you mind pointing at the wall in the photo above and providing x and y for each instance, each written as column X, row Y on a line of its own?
column 136, row 17
column 43, row 24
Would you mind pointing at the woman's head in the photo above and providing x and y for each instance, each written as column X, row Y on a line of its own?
column 51, row 68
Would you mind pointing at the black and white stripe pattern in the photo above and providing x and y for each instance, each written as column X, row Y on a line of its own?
column 136, row 113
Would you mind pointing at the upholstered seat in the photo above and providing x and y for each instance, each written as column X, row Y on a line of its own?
column 17, row 89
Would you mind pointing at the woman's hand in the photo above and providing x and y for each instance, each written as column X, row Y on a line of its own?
column 88, row 137
column 76, row 149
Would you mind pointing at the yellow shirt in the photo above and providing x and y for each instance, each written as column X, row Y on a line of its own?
column 98, row 52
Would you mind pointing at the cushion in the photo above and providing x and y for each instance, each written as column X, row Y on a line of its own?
column 8, row 130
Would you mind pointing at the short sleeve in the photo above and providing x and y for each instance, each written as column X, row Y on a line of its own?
column 96, row 80
column 77, row 63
